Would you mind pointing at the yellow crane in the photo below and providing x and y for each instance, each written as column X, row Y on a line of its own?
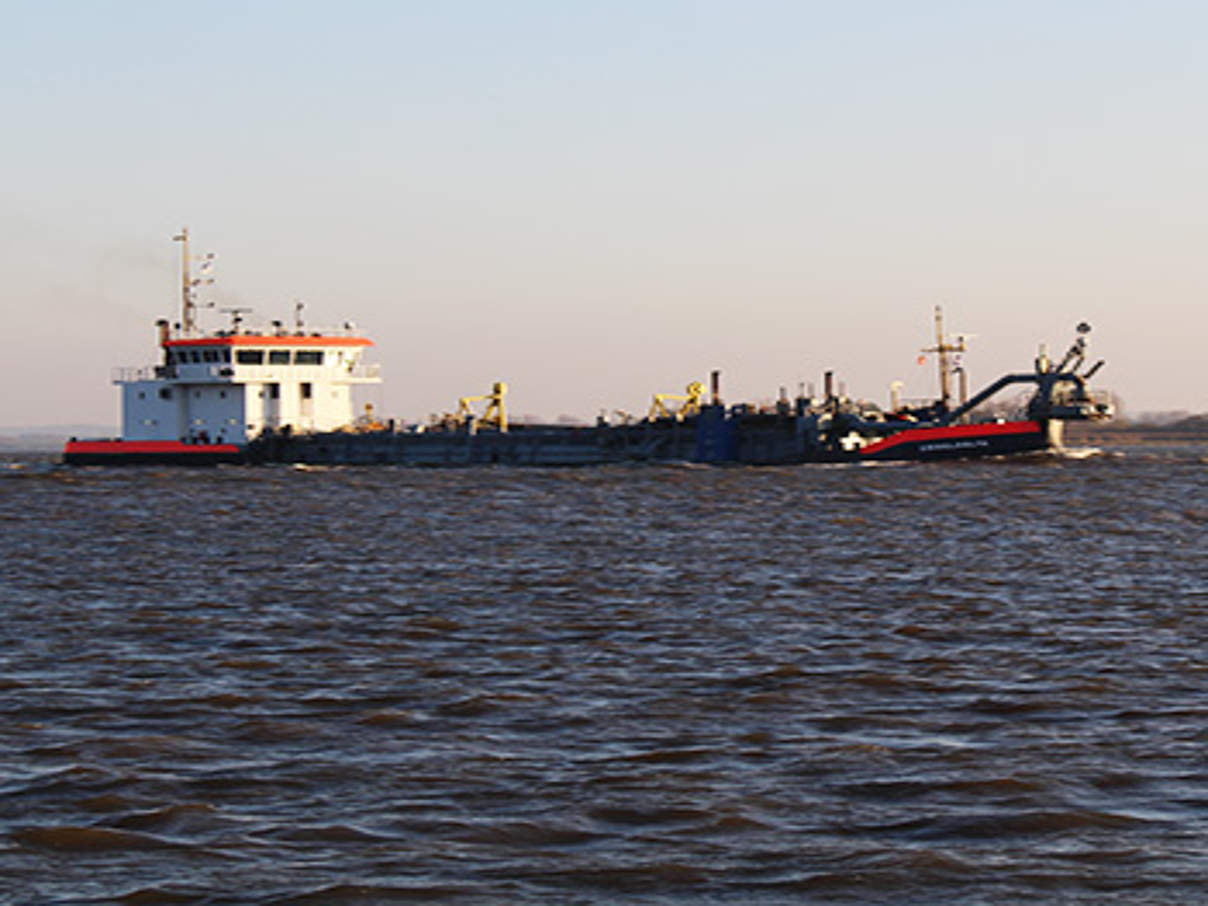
column 369, row 421
column 496, row 412
column 689, row 403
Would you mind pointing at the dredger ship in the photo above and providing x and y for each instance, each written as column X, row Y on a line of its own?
column 284, row 394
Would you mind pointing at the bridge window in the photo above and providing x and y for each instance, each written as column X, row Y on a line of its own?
column 250, row 356
column 210, row 355
column 278, row 357
column 195, row 355
column 308, row 357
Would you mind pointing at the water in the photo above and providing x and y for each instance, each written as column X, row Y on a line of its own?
column 982, row 682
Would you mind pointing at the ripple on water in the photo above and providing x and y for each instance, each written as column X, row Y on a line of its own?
column 975, row 681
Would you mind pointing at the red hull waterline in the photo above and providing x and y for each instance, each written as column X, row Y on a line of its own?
column 149, row 452
column 908, row 444
column 960, row 441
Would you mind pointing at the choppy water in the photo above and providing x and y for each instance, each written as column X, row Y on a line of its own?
column 974, row 682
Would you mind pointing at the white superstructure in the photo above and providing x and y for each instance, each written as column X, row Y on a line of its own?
column 228, row 386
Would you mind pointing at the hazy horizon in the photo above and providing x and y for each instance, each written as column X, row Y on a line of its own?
column 597, row 204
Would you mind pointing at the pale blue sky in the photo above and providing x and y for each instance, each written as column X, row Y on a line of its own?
column 595, row 202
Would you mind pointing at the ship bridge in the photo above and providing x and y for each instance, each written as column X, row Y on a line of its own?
column 230, row 386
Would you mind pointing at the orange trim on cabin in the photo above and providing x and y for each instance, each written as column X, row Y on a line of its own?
column 248, row 339
column 923, row 435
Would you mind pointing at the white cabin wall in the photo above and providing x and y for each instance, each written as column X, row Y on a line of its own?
column 217, row 410
column 287, row 403
column 330, row 405
column 148, row 416
column 333, row 406
column 253, row 401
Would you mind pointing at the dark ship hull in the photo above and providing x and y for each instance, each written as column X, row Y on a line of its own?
column 713, row 437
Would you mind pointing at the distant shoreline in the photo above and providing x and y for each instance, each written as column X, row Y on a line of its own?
column 19, row 448
column 48, row 438
column 1128, row 435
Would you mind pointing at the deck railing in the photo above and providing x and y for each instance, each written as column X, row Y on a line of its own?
column 130, row 374
column 206, row 371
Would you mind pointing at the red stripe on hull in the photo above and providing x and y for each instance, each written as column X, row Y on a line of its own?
column 118, row 447
column 149, row 452
column 952, row 433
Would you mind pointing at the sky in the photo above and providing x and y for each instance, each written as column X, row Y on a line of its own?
column 595, row 202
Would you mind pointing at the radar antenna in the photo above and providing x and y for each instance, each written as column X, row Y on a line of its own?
column 236, row 317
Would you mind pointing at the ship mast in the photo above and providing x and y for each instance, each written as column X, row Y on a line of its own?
column 942, row 349
column 189, row 284
column 188, row 308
